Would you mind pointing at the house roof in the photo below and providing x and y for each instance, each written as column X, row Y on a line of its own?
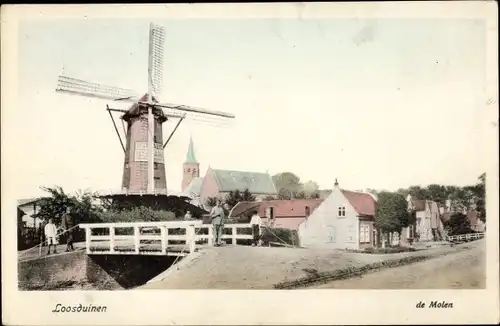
column 418, row 204
column 190, row 157
column 282, row 208
column 363, row 203
column 194, row 187
column 134, row 110
column 244, row 207
column 255, row 182
column 26, row 201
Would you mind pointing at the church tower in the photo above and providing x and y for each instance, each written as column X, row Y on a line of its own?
column 191, row 168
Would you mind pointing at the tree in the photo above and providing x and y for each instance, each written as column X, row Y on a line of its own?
column 83, row 206
column 480, row 192
column 458, row 224
column 287, row 184
column 437, row 193
column 211, row 201
column 417, row 192
column 247, row 196
column 310, row 189
column 391, row 213
column 234, row 197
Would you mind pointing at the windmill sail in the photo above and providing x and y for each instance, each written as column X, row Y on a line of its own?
column 155, row 60
column 90, row 89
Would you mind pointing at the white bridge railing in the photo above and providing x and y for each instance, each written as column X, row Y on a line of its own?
column 465, row 237
column 156, row 238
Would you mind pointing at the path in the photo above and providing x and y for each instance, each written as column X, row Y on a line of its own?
column 242, row 267
column 34, row 253
column 460, row 270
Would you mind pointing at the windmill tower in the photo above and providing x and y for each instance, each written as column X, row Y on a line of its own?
column 144, row 164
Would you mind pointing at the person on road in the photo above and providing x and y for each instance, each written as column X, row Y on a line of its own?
column 217, row 215
column 68, row 223
column 256, row 223
column 50, row 234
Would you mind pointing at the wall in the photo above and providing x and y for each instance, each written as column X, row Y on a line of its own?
column 424, row 225
column 209, row 187
column 190, row 171
column 323, row 228
column 135, row 174
column 48, row 271
column 288, row 222
column 106, row 271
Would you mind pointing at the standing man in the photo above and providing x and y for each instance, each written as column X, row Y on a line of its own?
column 256, row 223
column 68, row 222
column 217, row 215
column 188, row 216
column 50, row 234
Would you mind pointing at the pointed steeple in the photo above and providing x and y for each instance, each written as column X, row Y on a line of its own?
column 190, row 157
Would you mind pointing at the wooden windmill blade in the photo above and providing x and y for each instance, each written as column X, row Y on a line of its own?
column 181, row 109
column 155, row 61
column 90, row 89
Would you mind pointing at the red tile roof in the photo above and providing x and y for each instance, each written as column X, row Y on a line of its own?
column 363, row 203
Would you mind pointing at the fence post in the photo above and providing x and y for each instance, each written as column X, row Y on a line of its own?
column 210, row 235
column 190, row 238
column 234, row 232
column 137, row 239
column 111, row 239
column 88, row 235
column 164, row 240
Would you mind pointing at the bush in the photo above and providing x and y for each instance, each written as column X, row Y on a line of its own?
column 280, row 235
column 137, row 214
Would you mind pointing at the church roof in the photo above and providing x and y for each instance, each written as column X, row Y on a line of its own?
column 190, row 157
column 194, row 187
column 255, row 182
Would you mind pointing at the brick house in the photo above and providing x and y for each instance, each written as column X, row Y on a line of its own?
column 287, row 214
column 344, row 220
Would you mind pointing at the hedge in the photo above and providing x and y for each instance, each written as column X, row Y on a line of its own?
column 344, row 273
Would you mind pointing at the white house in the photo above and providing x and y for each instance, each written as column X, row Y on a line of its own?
column 30, row 206
column 344, row 220
column 428, row 224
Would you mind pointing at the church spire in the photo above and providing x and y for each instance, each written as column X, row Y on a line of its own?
column 190, row 157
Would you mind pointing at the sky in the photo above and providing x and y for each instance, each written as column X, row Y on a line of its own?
column 375, row 103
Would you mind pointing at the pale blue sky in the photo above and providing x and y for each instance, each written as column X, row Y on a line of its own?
column 376, row 103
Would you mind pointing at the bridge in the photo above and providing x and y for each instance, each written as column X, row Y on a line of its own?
column 166, row 238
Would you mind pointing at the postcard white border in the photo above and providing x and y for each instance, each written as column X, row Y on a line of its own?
column 247, row 307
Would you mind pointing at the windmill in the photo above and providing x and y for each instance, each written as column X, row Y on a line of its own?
column 144, row 166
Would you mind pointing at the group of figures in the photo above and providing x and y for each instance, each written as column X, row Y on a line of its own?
column 218, row 215
column 52, row 235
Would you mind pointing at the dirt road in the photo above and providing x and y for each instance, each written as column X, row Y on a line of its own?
column 461, row 270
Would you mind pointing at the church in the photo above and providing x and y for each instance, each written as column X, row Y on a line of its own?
column 218, row 183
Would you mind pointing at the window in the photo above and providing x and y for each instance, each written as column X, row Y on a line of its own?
column 189, row 170
column 156, row 166
column 341, row 211
column 194, row 170
column 270, row 212
column 364, row 233
column 308, row 211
